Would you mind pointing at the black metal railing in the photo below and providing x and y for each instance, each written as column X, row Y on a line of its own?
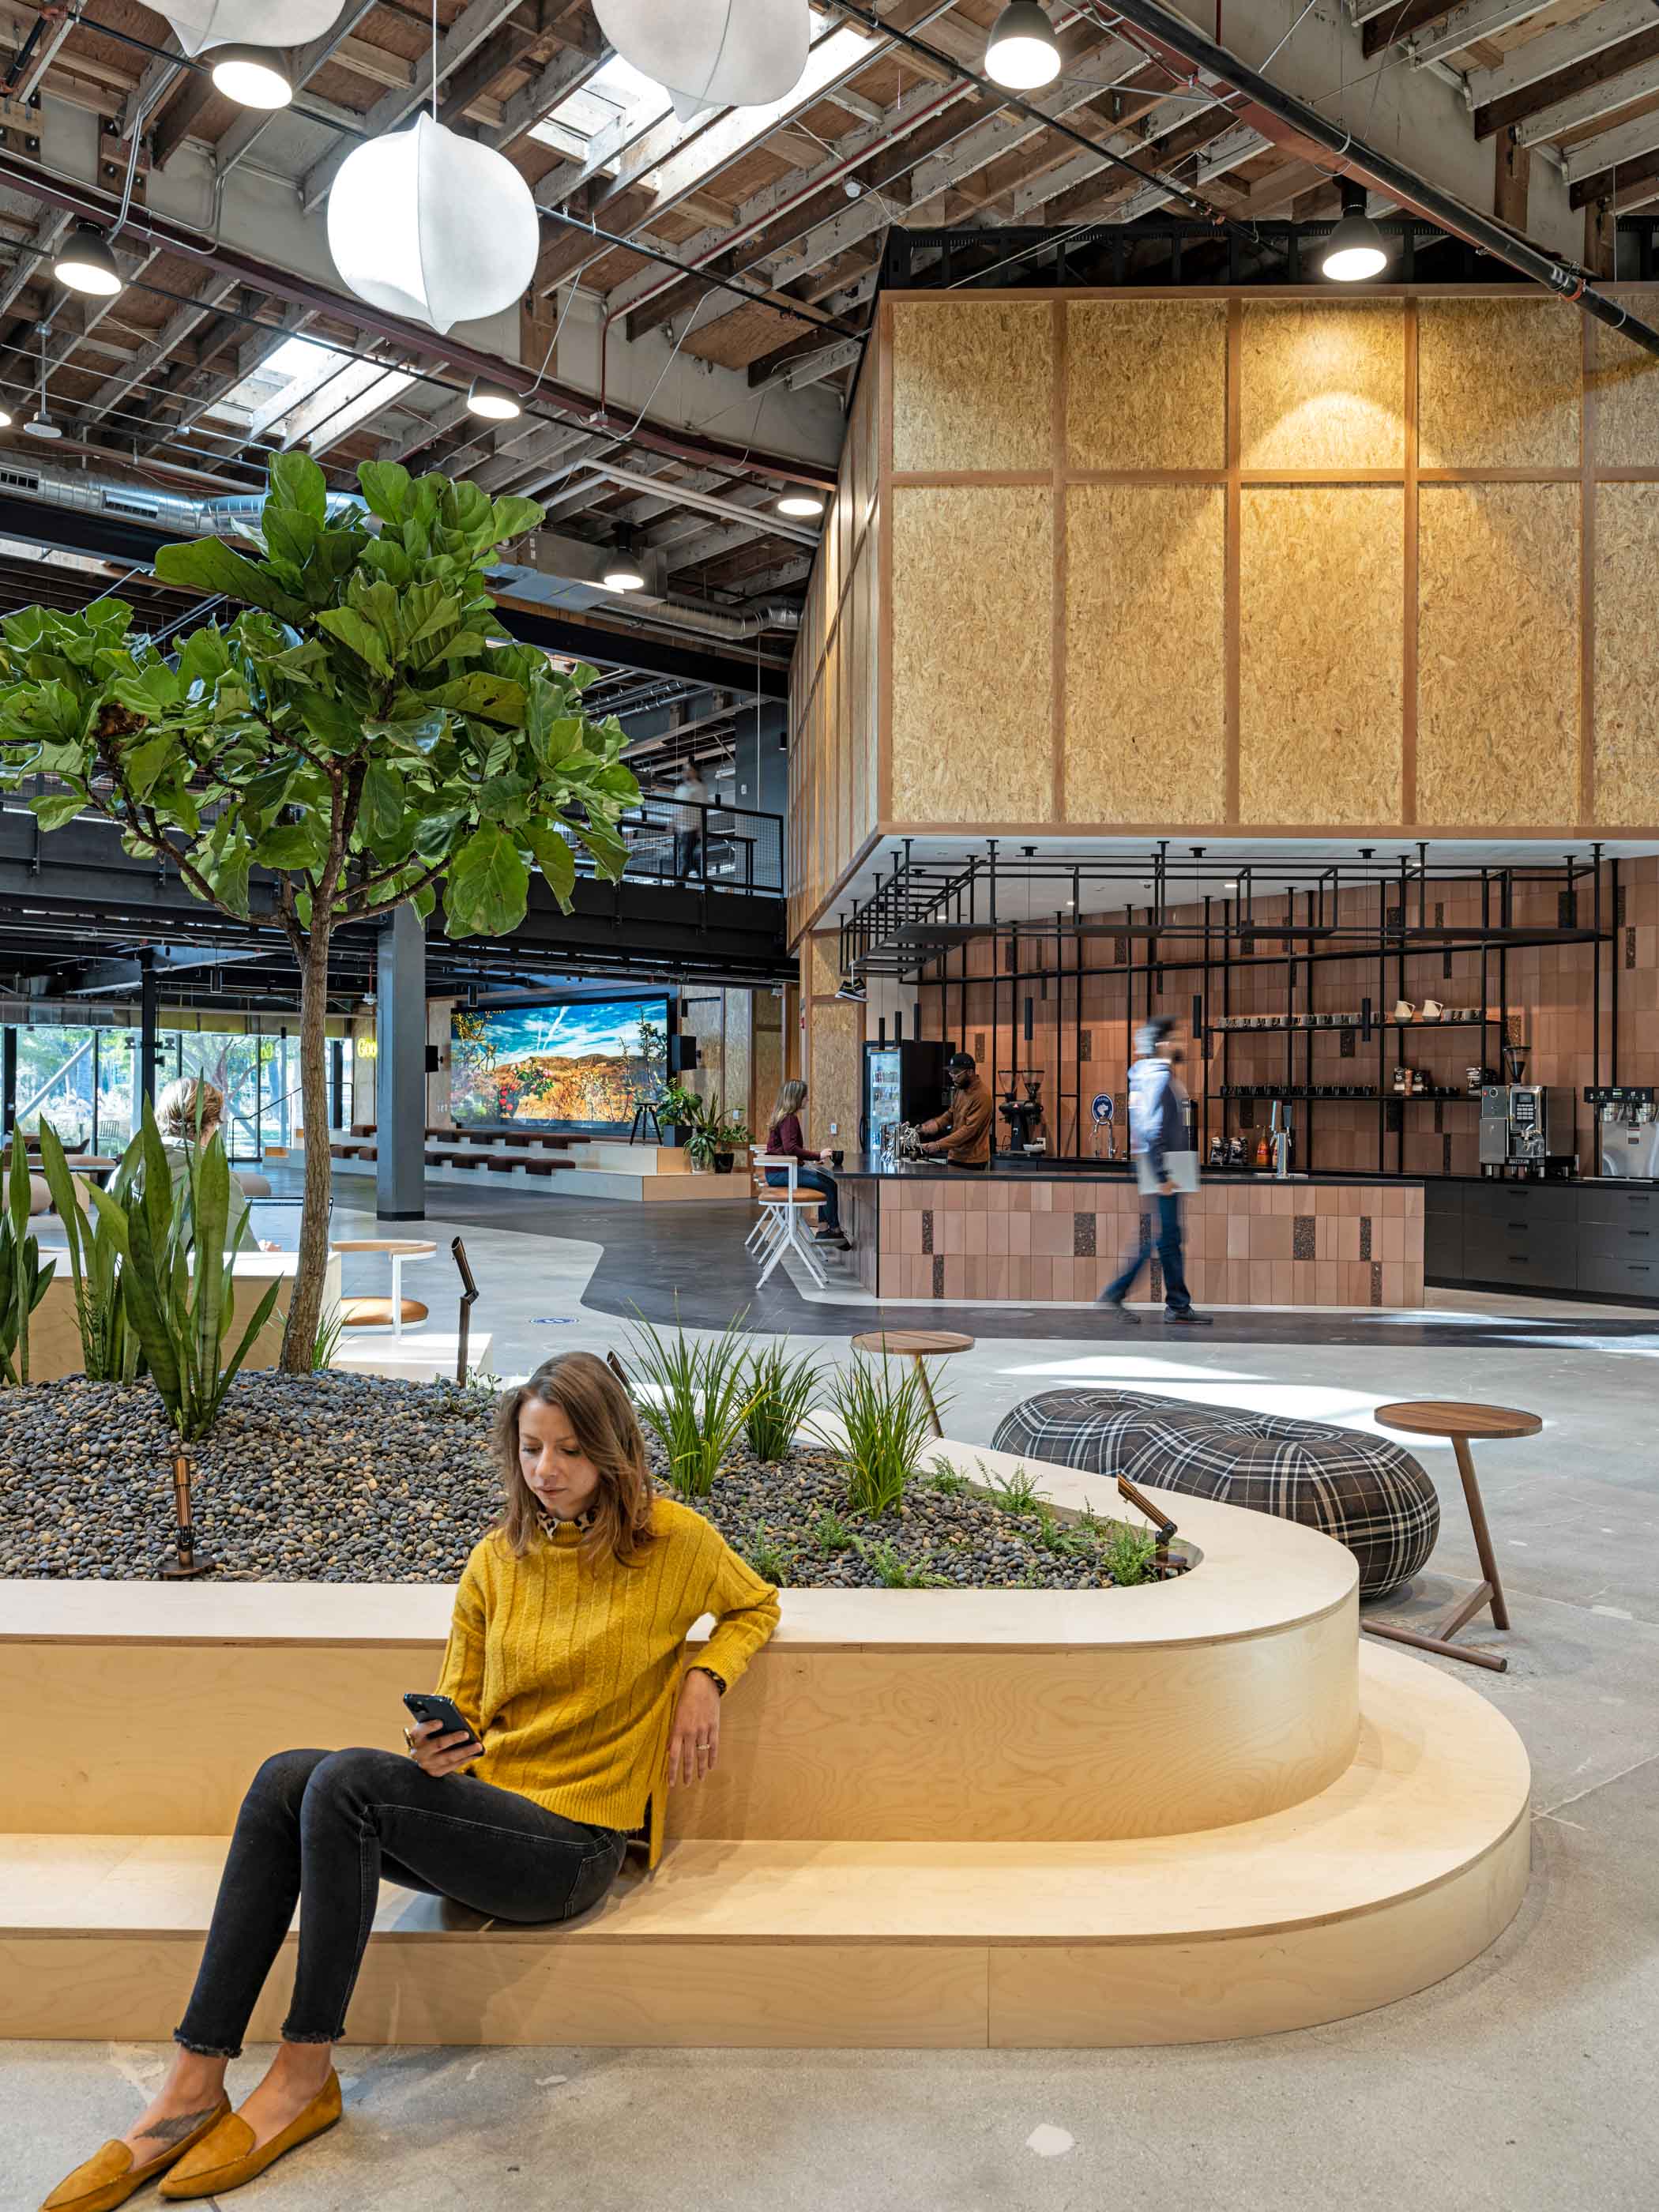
column 708, row 848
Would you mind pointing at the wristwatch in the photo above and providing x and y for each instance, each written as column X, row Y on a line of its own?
column 718, row 1680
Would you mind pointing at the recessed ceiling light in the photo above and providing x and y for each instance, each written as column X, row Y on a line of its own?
column 253, row 76
column 86, row 264
column 492, row 403
column 802, row 504
column 1021, row 52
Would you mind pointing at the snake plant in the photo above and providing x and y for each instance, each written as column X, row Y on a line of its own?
column 109, row 1344
column 177, row 1281
column 23, row 1279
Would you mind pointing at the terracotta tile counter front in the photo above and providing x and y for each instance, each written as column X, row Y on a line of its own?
column 1032, row 1235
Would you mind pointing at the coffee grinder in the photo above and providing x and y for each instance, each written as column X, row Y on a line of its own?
column 1024, row 1115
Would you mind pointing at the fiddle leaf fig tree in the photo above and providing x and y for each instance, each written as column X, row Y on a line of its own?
column 363, row 733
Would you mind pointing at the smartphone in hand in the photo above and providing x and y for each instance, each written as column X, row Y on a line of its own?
column 427, row 1705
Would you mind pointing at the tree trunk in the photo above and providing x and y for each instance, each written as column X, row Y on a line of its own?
column 306, row 1306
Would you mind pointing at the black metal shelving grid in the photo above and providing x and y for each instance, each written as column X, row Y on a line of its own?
column 916, row 914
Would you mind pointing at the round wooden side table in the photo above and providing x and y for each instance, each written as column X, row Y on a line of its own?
column 919, row 1345
column 1454, row 1418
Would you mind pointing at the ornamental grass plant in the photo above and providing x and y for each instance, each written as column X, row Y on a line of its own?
column 783, row 1392
column 694, row 1398
column 886, row 1426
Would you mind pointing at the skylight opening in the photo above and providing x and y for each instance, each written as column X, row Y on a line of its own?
column 305, row 392
column 619, row 102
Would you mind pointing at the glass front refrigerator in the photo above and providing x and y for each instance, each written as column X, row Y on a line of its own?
column 901, row 1083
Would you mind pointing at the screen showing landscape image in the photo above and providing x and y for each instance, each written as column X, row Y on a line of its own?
column 582, row 1066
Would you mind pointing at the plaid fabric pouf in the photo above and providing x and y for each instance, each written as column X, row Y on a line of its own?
column 1366, row 1492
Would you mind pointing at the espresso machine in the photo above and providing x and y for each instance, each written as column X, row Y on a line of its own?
column 1627, row 1130
column 1526, row 1129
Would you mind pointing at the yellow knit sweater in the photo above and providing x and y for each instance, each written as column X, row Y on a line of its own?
column 570, row 1673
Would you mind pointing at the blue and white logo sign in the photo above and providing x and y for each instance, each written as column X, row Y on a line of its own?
column 1103, row 1109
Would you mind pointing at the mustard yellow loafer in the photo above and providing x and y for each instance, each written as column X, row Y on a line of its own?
column 109, row 2177
column 227, row 2158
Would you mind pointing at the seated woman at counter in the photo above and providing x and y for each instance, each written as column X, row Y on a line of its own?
column 785, row 1137
column 964, row 1135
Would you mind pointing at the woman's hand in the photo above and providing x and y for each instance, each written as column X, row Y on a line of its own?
column 435, row 1752
column 693, row 1744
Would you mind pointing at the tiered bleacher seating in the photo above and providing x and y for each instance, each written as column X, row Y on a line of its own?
column 535, row 1152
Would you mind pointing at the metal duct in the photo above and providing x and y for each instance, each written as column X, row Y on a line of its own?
column 231, row 516
column 713, row 622
column 556, row 580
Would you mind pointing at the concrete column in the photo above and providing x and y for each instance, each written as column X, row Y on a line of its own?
column 400, row 1069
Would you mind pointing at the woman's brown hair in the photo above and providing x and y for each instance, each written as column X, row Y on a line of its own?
column 598, row 1409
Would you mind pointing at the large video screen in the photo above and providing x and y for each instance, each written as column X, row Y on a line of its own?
column 584, row 1065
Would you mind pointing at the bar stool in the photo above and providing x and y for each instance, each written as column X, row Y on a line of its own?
column 1451, row 1417
column 919, row 1345
column 780, row 1212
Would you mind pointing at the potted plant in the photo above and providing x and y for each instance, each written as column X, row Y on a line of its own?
column 680, row 1111
column 728, row 1131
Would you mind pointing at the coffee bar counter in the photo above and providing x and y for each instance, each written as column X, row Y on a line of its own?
column 1036, row 1233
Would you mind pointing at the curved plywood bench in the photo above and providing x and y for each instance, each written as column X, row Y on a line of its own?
column 1186, row 1811
column 1398, row 1873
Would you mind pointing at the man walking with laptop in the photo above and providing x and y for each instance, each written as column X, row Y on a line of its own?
column 1165, row 1166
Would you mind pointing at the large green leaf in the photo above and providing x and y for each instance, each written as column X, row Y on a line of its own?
column 302, row 844
column 297, row 481
column 208, row 564
column 383, row 804
column 493, row 698
column 488, row 885
column 55, row 808
column 386, row 487
column 554, row 857
column 511, row 518
column 292, row 535
column 365, row 641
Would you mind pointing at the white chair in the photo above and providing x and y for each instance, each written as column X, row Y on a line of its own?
column 780, row 1212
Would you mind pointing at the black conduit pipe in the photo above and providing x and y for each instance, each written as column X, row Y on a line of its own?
column 1354, row 157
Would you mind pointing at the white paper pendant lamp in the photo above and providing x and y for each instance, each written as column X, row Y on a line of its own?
column 204, row 23
column 429, row 224
column 711, row 53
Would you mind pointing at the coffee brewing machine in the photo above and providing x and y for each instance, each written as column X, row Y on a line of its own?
column 1026, row 1130
column 1627, row 1130
column 1526, row 1129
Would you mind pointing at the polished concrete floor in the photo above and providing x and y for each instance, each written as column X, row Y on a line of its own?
column 1524, row 2084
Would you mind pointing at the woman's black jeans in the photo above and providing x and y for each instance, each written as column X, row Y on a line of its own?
column 812, row 1179
column 320, row 1828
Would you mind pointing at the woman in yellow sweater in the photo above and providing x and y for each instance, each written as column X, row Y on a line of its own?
column 567, row 1659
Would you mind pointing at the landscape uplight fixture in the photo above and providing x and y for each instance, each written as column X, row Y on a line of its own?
column 492, row 403
column 801, row 506
column 1021, row 52
column 253, row 76
column 1354, row 250
column 86, row 264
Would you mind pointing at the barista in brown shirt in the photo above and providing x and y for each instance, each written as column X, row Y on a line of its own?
column 963, row 1137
